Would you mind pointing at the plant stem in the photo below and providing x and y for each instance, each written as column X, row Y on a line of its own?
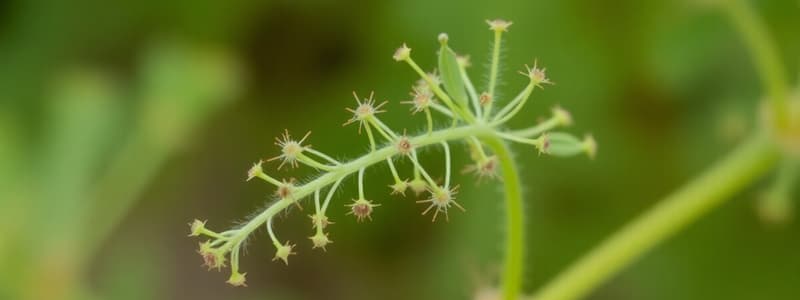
column 723, row 180
column 515, row 228
column 766, row 58
column 348, row 168
column 498, row 38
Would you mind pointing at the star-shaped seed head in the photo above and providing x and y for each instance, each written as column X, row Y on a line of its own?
column 290, row 149
column 537, row 75
column 286, row 189
column 362, row 209
column 320, row 240
column 484, row 169
column 282, row 252
column 440, row 201
column 319, row 221
column 364, row 110
column 422, row 99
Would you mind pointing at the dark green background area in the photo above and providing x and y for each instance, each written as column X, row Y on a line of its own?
column 666, row 87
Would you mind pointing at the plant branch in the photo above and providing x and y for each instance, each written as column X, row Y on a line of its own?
column 515, row 227
column 766, row 58
column 348, row 168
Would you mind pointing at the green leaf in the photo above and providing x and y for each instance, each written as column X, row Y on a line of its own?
column 451, row 73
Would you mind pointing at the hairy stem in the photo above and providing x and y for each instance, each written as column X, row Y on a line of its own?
column 493, row 69
column 515, row 227
column 348, row 168
column 672, row 214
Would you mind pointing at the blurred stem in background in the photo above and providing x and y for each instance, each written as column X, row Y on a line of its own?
column 672, row 214
column 98, row 165
column 731, row 175
column 766, row 59
column 181, row 88
column 776, row 205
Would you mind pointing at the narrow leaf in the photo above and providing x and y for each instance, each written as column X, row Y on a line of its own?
column 451, row 74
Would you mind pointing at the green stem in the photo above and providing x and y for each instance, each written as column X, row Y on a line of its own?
column 712, row 188
column 515, row 228
column 498, row 34
column 348, row 168
column 766, row 58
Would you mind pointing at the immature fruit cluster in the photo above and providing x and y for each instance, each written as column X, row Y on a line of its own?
column 450, row 95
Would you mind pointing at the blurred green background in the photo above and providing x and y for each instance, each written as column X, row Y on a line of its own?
column 121, row 121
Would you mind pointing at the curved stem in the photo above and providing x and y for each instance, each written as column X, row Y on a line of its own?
column 515, row 229
column 765, row 57
column 693, row 200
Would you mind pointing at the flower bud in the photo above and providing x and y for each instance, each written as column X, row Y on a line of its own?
column 319, row 221
column 485, row 99
column 498, row 25
column 212, row 258
column 418, row 185
column 197, row 227
column 399, row 187
column 590, row 146
column 564, row 117
column 402, row 53
column 463, row 61
column 255, row 170
column 404, row 146
column 443, row 38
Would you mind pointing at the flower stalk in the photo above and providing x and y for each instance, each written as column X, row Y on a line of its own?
column 469, row 116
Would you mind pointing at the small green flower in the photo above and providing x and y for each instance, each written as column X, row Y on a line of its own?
column 320, row 240
column 290, row 149
column 282, row 252
column 238, row 279
column 212, row 258
column 197, row 227
column 255, row 170
column 402, row 53
column 418, row 186
column 399, row 187
column 440, row 201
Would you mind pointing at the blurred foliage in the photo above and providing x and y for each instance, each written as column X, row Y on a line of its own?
column 117, row 127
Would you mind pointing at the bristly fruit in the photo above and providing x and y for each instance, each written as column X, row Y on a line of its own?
column 362, row 209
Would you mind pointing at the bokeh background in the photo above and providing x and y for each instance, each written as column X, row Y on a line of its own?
column 121, row 121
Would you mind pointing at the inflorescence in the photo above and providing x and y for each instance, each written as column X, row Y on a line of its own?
column 447, row 92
